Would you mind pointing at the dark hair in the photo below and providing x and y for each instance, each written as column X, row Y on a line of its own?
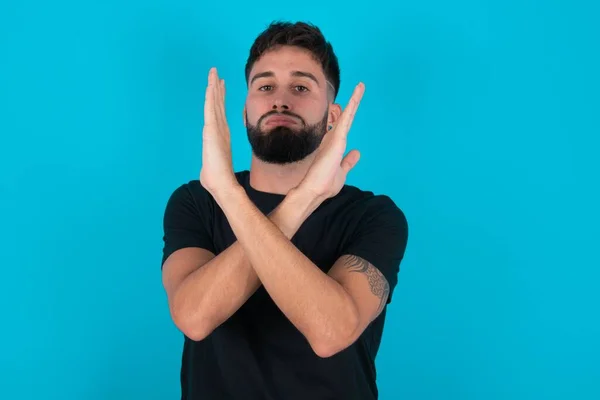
column 300, row 34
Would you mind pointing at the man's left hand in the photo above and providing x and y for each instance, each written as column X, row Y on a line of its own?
column 329, row 169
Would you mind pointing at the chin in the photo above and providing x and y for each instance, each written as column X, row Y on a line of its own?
column 281, row 129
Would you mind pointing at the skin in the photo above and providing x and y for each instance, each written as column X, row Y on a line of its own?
column 330, row 309
column 283, row 91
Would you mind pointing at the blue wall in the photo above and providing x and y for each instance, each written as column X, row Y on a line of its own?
column 481, row 119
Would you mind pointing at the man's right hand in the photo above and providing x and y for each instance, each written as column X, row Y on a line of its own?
column 217, row 174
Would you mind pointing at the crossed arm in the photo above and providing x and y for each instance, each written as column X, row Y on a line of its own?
column 330, row 309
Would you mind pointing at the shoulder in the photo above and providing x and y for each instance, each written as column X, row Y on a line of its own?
column 374, row 208
column 376, row 232
column 379, row 227
column 192, row 194
column 188, row 219
column 189, row 199
column 373, row 223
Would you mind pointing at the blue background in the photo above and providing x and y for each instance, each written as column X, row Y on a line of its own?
column 481, row 119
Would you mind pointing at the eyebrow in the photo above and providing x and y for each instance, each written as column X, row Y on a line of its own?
column 267, row 74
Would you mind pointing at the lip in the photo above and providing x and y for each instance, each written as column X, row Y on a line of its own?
column 280, row 120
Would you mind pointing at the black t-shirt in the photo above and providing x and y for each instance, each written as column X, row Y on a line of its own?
column 257, row 354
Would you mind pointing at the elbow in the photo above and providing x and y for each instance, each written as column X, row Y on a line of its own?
column 326, row 350
column 190, row 322
column 196, row 332
column 328, row 344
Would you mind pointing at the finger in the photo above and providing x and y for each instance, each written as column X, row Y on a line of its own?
column 220, row 109
column 222, row 93
column 219, row 87
column 347, row 117
column 350, row 160
column 209, row 99
column 217, row 100
column 223, row 89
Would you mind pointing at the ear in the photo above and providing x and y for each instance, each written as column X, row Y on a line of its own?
column 335, row 110
column 244, row 116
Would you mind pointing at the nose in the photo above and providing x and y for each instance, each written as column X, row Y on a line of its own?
column 281, row 104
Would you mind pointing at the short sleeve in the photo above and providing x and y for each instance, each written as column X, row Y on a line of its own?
column 380, row 238
column 187, row 220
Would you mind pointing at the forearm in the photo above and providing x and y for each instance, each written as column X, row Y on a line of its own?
column 215, row 291
column 212, row 293
column 315, row 303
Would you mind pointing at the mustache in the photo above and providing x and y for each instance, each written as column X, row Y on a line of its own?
column 287, row 113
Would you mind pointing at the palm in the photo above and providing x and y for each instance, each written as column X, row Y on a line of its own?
column 217, row 169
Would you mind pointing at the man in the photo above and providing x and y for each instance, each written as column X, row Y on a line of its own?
column 279, row 277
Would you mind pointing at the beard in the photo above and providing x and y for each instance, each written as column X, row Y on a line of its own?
column 282, row 144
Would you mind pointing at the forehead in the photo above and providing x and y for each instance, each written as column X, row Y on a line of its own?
column 286, row 59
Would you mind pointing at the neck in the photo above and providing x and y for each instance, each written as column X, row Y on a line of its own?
column 275, row 178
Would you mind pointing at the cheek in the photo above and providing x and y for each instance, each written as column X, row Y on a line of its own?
column 255, row 109
column 312, row 108
column 257, row 106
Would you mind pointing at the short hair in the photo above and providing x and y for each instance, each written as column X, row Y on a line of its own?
column 300, row 34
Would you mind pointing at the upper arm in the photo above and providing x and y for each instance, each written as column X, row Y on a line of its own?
column 187, row 235
column 370, row 262
column 180, row 264
column 366, row 285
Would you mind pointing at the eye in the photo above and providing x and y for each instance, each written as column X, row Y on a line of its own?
column 301, row 88
column 265, row 88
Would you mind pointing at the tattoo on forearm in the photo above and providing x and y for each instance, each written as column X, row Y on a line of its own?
column 377, row 282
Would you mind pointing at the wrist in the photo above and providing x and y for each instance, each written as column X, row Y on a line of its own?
column 228, row 195
column 304, row 199
column 297, row 206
